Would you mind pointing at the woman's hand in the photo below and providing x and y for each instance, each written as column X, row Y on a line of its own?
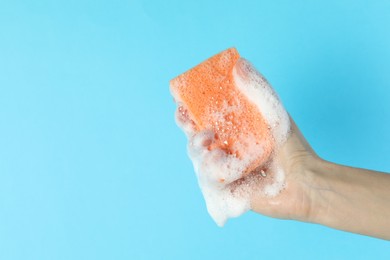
column 293, row 184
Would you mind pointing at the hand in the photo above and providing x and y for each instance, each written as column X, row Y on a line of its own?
column 295, row 201
column 293, row 184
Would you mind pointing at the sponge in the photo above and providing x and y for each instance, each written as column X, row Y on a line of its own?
column 211, row 99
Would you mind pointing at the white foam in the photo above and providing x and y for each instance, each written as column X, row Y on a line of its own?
column 211, row 167
column 220, row 175
column 257, row 89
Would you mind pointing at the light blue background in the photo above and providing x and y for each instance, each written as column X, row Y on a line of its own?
column 92, row 165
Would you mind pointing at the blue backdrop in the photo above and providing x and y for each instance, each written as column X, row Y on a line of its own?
column 92, row 165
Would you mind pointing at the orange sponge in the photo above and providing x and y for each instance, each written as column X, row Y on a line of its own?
column 214, row 102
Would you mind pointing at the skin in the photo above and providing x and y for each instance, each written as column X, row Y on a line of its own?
column 317, row 191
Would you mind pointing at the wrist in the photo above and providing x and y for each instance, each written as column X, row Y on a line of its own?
column 317, row 181
column 327, row 187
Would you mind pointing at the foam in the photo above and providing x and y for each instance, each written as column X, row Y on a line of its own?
column 223, row 178
column 257, row 89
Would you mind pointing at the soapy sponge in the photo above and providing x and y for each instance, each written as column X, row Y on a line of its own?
column 209, row 94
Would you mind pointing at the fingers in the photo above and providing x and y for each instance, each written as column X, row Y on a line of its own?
column 184, row 121
column 218, row 169
column 265, row 181
column 210, row 163
column 214, row 166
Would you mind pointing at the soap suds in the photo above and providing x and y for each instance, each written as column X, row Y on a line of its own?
column 257, row 89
